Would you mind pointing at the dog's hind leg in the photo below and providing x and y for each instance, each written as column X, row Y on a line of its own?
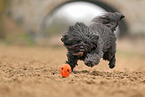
column 112, row 62
column 110, row 56
column 72, row 60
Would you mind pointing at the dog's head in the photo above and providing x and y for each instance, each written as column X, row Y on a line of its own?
column 110, row 19
column 79, row 39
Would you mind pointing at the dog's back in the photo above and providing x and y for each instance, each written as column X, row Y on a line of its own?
column 104, row 26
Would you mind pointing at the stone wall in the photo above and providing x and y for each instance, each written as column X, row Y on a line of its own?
column 30, row 13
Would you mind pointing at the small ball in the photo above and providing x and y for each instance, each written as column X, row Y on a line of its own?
column 65, row 70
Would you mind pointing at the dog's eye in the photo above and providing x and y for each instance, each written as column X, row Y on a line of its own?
column 78, row 41
column 85, row 42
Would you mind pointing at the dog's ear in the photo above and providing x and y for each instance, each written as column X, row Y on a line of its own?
column 64, row 38
column 94, row 39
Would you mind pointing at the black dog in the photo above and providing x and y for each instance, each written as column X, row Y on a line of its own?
column 92, row 43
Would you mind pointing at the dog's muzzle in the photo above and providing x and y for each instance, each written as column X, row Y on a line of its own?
column 79, row 54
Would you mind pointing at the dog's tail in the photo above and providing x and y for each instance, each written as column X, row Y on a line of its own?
column 110, row 19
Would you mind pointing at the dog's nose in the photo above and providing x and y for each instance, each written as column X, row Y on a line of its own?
column 81, row 47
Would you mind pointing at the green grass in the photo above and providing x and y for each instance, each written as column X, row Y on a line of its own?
column 21, row 39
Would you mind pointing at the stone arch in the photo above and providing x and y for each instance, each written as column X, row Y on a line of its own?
column 123, row 24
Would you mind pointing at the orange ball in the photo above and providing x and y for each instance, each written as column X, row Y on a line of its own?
column 65, row 70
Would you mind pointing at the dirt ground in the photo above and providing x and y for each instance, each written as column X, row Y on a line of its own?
column 34, row 72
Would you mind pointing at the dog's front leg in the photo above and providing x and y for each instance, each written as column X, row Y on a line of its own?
column 93, row 58
column 72, row 60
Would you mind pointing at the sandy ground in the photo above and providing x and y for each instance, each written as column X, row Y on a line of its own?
column 34, row 72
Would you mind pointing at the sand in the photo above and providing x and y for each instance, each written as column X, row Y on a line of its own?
column 34, row 72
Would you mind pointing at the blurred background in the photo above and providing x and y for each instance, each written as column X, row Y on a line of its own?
column 31, row 52
column 42, row 22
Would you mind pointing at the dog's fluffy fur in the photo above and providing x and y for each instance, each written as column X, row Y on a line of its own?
column 91, row 43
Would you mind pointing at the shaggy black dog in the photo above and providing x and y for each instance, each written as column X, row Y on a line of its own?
column 91, row 43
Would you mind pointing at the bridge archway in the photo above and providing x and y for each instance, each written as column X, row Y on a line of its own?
column 44, row 26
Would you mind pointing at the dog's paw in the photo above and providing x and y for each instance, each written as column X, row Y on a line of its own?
column 90, row 63
column 111, row 66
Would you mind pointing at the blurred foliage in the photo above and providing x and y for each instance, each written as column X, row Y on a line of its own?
column 15, row 34
column 4, row 4
column 10, row 31
column 22, row 39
